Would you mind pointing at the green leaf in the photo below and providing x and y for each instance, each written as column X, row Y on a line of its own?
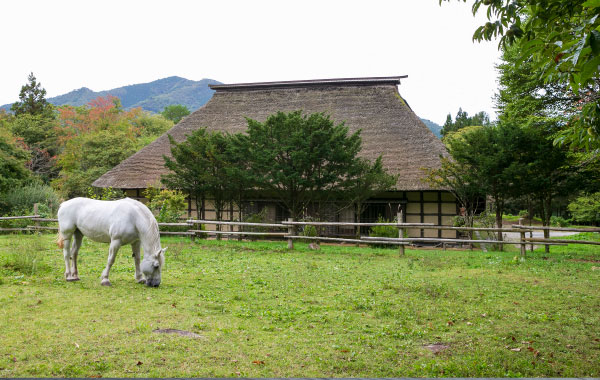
column 592, row 4
column 595, row 42
column 590, row 69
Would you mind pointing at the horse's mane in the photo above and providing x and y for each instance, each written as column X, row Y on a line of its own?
column 150, row 229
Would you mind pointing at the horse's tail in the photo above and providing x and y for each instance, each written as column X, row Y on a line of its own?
column 60, row 241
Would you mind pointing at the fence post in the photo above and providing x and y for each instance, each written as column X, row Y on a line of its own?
column 399, row 216
column 523, row 245
column 291, row 233
column 35, row 212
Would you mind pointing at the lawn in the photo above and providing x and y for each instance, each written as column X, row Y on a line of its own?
column 259, row 310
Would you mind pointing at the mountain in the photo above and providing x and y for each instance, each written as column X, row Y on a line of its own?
column 434, row 127
column 153, row 96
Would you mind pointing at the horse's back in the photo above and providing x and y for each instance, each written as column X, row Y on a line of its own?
column 100, row 220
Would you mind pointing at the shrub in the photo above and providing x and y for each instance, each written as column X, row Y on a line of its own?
column 558, row 221
column 383, row 231
column 20, row 201
column 167, row 205
column 259, row 217
column 105, row 194
column 586, row 209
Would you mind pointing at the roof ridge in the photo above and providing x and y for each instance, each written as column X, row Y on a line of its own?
column 312, row 82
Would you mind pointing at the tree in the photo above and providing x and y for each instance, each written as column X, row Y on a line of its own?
column 462, row 120
column 175, row 112
column 32, row 99
column 13, row 172
column 586, row 208
column 241, row 182
column 38, row 134
column 298, row 158
column 365, row 180
column 188, row 167
column 562, row 38
column 459, row 180
column 492, row 155
column 96, row 137
column 205, row 166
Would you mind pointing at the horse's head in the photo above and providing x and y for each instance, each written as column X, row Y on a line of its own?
column 151, row 267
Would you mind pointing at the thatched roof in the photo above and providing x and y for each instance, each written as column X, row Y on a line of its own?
column 389, row 127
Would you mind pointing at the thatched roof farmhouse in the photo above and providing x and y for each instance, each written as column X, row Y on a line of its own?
column 389, row 128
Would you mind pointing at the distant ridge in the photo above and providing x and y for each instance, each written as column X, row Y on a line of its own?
column 153, row 96
column 434, row 127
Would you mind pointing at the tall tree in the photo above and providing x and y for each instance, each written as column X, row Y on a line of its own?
column 13, row 171
column 463, row 120
column 297, row 157
column 540, row 108
column 493, row 157
column 32, row 99
column 188, row 167
column 562, row 39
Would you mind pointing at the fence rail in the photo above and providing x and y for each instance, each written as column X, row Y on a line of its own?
column 196, row 228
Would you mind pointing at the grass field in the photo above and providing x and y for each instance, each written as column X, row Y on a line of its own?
column 259, row 310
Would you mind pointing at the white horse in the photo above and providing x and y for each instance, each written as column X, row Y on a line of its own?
column 121, row 222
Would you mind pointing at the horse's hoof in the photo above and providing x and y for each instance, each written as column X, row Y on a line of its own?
column 71, row 279
column 105, row 283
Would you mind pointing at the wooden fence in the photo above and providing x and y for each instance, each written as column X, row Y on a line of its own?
column 194, row 229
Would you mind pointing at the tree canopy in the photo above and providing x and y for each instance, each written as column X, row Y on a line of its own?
column 562, row 41
column 463, row 120
column 32, row 99
column 175, row 112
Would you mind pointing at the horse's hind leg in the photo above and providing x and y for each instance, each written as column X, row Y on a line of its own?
column 135, row 248
column 77, row 238
column 67, row 255
column 112, row 254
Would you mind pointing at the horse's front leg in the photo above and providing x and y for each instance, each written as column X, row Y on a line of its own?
column 77, row 239
column 112, row 254
column 135, row 248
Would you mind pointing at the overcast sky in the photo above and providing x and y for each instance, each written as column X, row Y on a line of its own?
column 107, row 44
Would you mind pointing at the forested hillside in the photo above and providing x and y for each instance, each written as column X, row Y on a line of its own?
column 153, row 96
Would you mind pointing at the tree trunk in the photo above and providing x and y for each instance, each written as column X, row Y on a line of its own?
column 547, row 205
column 499, row 210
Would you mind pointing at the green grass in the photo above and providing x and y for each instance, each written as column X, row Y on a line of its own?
column 262, row 311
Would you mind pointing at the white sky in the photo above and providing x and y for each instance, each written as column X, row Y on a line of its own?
column 107, row 44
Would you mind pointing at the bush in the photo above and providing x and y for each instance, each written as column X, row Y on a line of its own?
column 558, row 221
column 20, row 201
column 259, row 217
column 167, row 205
column 105, row 194
column 586, row 209
column 383, row 231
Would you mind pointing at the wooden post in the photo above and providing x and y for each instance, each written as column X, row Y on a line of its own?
column 35, row 212
column 531, row 236
column 291, row 233
column 399, row 216
column 523, row 245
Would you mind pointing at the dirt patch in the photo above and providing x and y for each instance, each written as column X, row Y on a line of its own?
column 436, row 348
column 178, row 332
